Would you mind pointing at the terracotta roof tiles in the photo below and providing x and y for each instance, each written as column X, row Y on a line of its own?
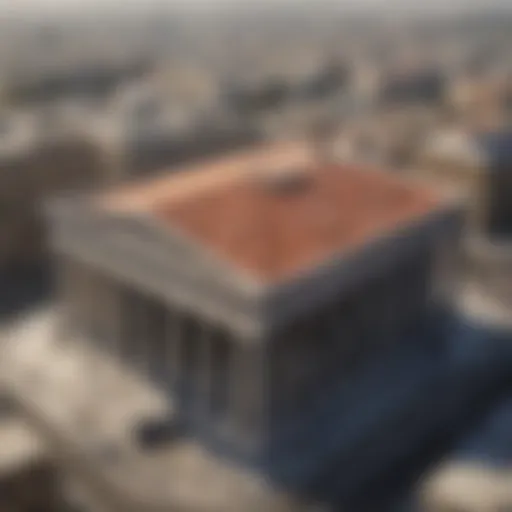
column 272, row 231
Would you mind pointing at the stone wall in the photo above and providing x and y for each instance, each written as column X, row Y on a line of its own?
column 325, row 347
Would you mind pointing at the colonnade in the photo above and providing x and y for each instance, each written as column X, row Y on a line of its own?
column 240, row 382
column 208, row 372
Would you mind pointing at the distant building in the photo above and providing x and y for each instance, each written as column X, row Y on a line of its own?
column 477, row 475
column 74, row 146
column 39, row 158
column 423, row 86
column 86, row 80
column 389, row 138
column 150, row 134
column 477, row 164
column 330, row 80
column 474, row 100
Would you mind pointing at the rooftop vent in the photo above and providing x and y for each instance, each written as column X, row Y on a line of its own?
column 287, row 181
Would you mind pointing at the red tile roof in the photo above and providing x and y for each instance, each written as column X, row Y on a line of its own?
column 273, row 232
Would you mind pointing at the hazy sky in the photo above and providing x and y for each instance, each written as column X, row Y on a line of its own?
column 48, row 6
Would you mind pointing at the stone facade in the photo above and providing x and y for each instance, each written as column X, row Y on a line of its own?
column 240, row 357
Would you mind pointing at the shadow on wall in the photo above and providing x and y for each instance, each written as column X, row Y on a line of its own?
column 24, row 288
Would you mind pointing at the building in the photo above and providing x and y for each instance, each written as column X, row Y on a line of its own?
column 40, row 155
column 477, row 476
column 92, row 79
column 18, row 141
column 219, row 287
column 144, row 131
column 471, row 100
column 410, row 86
column 389, row 138
column 75, row 146
column 476, row 163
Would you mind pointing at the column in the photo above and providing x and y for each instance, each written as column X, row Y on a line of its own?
column 116, row 322
column 220, row 347
column 110, row 317
column 132, row 345
column 276, row 377
column 203, row 375
column 143, row 333
column 174, row 342
column 126, row 334
column 249, row 385
column 69, row 291
column 188, row 383
column 155, row 336
column 93, row 308
column 82, row 317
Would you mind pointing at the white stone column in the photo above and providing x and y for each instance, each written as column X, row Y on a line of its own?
column 125, row 324
column 249, row 386
column 143, row 333
column 117, row 319
column 93, row 298
column 110, row 313
column 156, row 341
column 69, row 295
column 174, row 345
column 134, row 321
column 205, row 370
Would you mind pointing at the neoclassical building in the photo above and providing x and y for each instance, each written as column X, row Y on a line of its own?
column 252, row 292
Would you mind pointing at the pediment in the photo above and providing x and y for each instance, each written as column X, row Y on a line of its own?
column 167, row 243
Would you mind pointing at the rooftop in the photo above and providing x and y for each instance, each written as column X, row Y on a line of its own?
column 277, row 211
